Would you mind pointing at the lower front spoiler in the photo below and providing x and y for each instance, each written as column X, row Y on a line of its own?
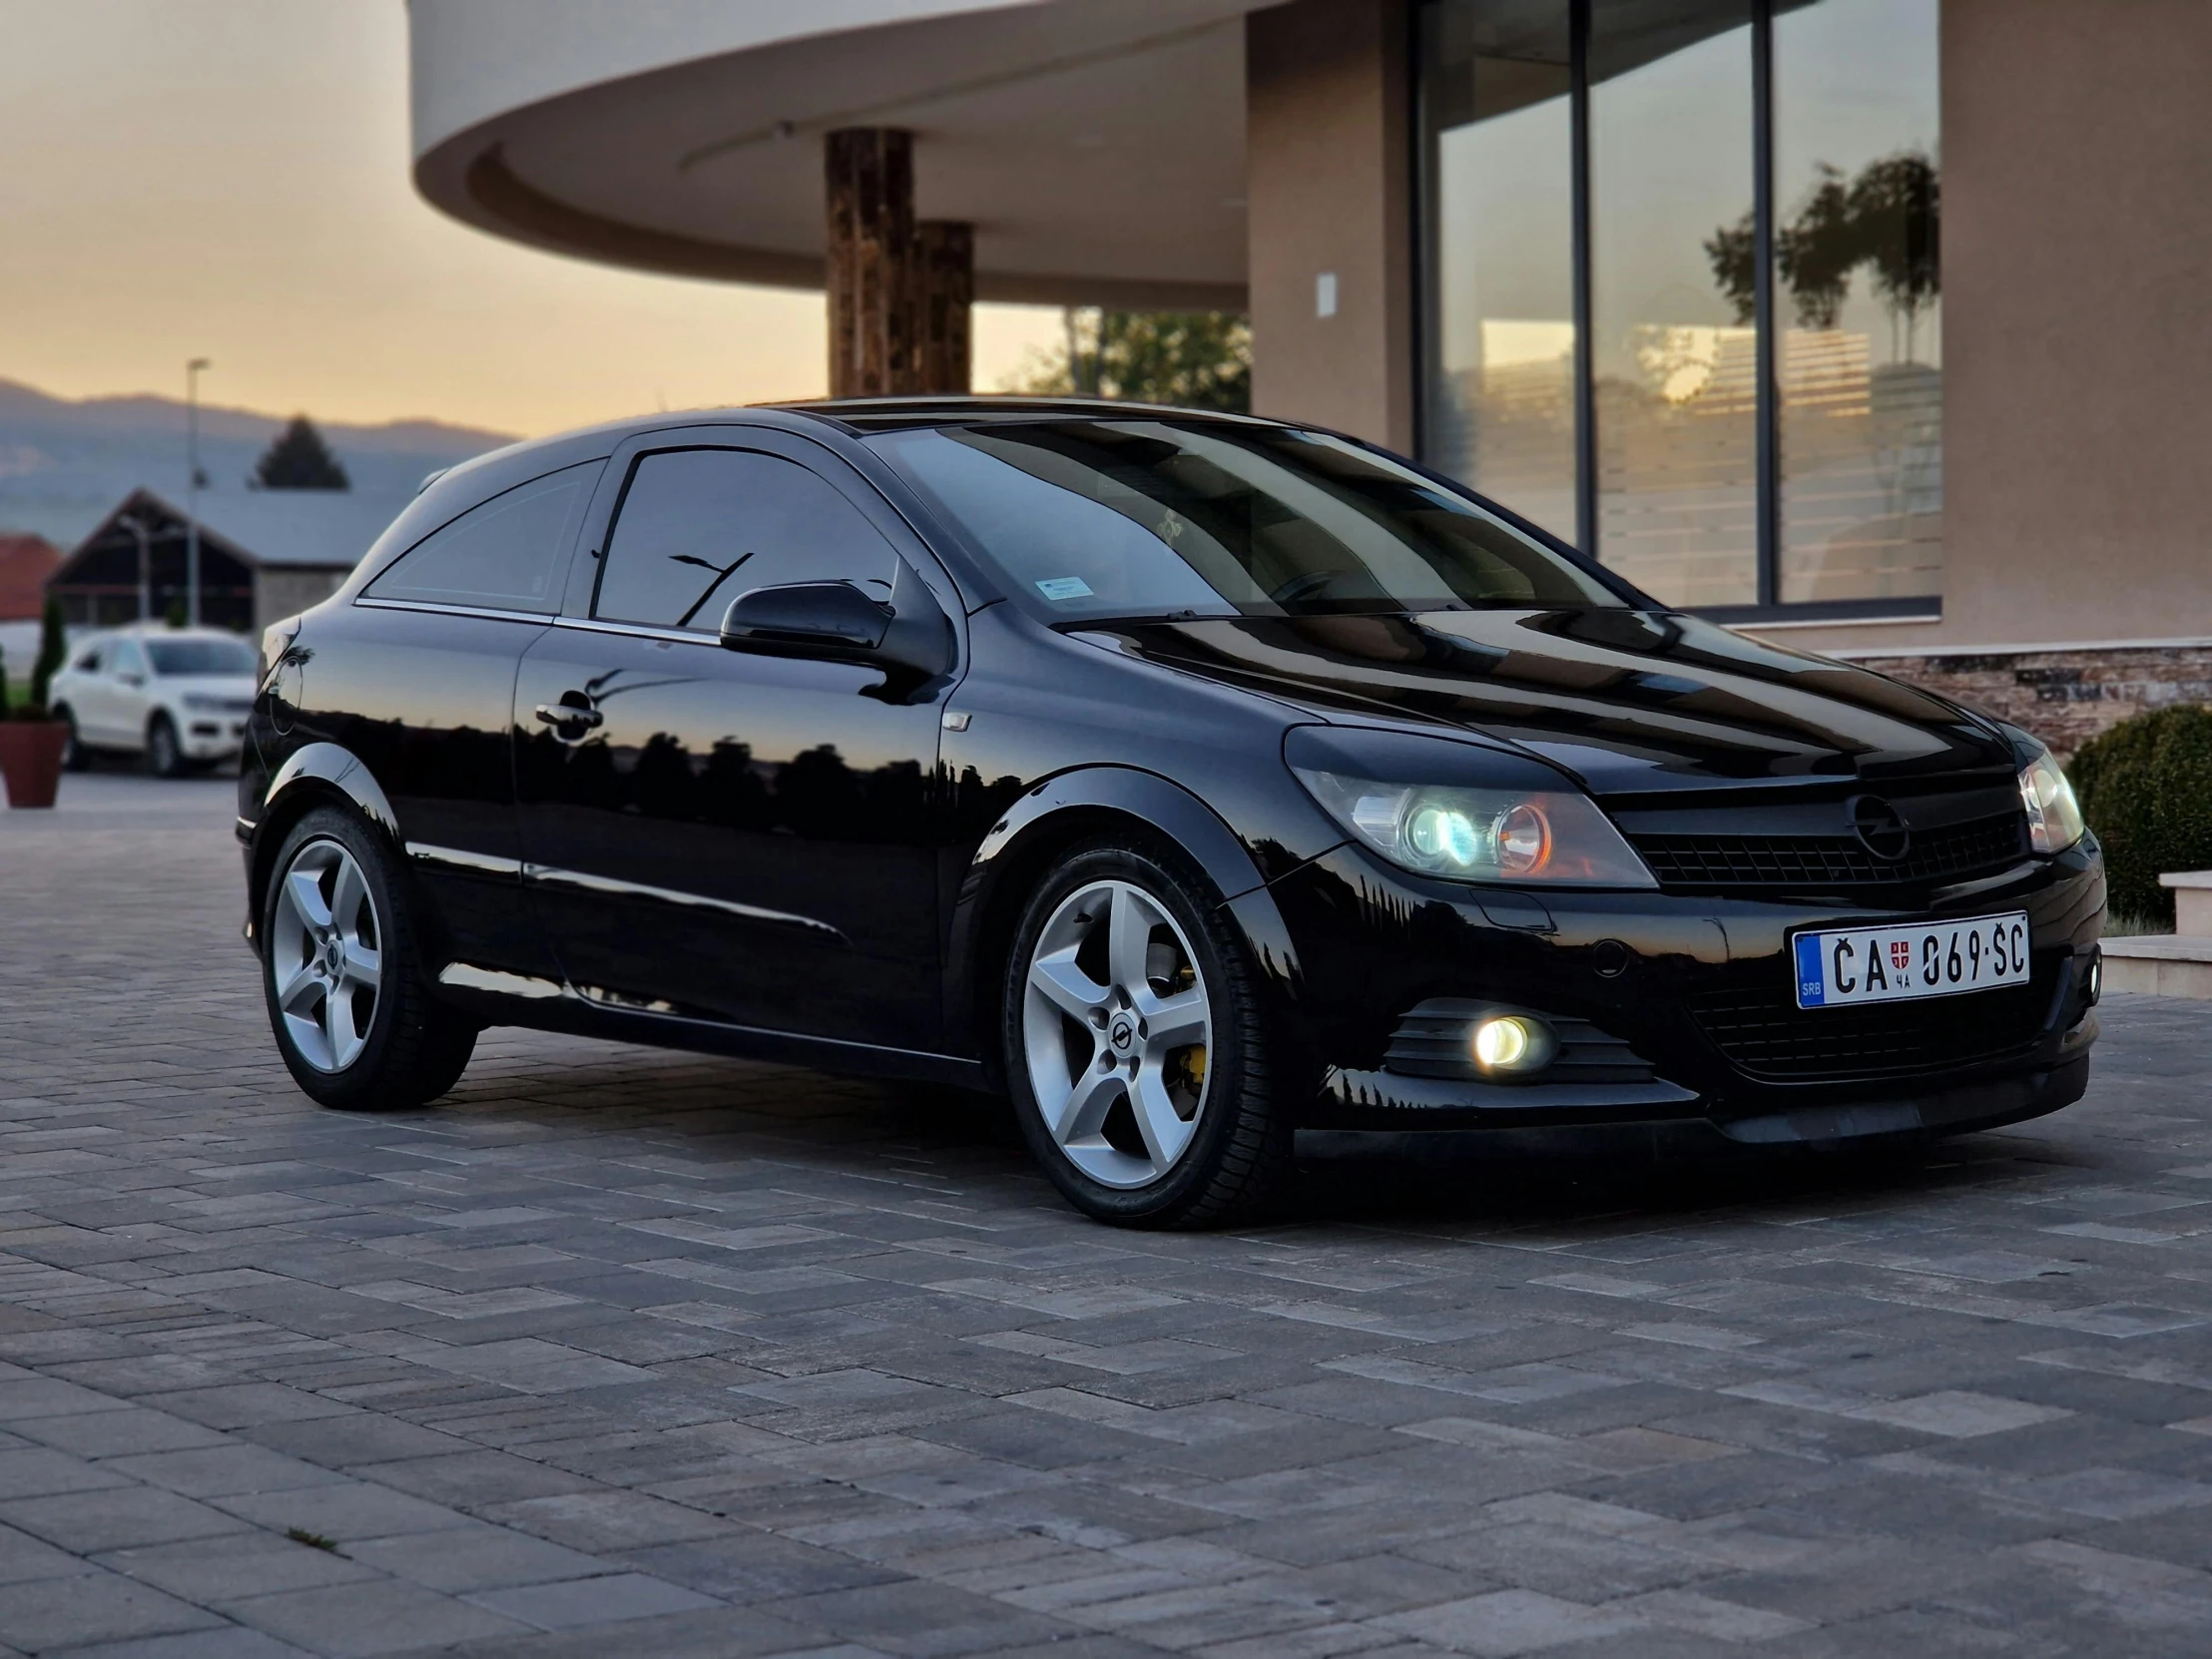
column 1674, row 1132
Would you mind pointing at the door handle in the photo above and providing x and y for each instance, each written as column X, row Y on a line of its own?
column 568, row 714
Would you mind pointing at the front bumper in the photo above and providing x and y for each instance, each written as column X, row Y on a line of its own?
column 1671, row 975
column 212, row 737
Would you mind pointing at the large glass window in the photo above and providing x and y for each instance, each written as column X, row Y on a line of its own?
column 1859, row 289
column 1674, row 364
column 1682, row 296
column 1501, row 404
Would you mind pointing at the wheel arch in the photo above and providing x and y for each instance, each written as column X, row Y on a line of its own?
column 1036, row 829
column 315, row 774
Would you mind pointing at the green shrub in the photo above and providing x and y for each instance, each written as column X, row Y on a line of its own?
column 2146, row 790
column 53, row 650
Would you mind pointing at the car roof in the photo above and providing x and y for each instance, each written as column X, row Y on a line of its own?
column 867, row 414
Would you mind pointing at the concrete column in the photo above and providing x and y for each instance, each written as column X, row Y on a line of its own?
column 944, row 262
column 1329, row 203
column 873, row 297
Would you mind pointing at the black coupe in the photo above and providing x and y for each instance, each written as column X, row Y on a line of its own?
column 1218, row 787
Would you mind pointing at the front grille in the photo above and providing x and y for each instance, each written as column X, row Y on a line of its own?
column 1829, row 861
column 1433, row 1039
column 1766, row 1035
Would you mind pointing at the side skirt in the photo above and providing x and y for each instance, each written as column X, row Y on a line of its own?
column 549, row 1007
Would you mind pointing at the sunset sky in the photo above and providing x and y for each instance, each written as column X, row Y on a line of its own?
column 229, row 179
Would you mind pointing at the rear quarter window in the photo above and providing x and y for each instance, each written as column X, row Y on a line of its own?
column 505, row 554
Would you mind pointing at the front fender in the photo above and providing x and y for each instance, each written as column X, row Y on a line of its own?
column 1018, row 848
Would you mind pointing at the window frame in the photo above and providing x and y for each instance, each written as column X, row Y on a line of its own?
column 558, row 572
column 1770, row 607
column 907, row 543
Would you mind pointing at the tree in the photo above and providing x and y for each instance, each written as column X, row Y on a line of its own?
column 1817, row 249
column 297, row 460
column 1195, row 359
column 1896, row 204
column 1886, row 219
column 53, row 648
column 1733, row 253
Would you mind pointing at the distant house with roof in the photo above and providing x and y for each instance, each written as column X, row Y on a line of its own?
column 264, row 555
column 26, row 561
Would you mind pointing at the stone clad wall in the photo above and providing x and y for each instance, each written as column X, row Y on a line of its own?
column 2063, row 697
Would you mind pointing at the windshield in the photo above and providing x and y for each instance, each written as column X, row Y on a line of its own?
column 201, row 655
column 1162, row 516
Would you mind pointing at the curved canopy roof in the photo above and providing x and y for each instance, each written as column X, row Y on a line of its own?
column 1097, row 145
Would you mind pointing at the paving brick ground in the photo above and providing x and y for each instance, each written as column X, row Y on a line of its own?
column 619, row 1351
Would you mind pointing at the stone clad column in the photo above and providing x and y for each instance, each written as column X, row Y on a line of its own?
column 873, row 296
column 945, row 266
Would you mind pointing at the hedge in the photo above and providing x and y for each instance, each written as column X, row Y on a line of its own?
column 2146, row 790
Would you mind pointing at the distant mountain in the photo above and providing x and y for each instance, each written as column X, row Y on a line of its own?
column 64, row 462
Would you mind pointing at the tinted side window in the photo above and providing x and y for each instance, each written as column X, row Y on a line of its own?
column 700, row 526
column 501, row 555
column 127, row 657
column 89, row 663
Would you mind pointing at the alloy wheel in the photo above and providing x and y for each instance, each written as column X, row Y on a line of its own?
column 1116, row 1028
column 325, row 955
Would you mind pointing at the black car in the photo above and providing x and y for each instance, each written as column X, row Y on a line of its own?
column 1218, row 787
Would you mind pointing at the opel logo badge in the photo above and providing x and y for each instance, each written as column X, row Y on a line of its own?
column 1881, row 828
column 1122, row 1033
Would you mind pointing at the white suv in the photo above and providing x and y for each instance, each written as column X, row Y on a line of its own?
column 178, row 695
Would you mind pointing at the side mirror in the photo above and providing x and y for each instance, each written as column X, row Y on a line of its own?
column 806, row 619
column 908, row 638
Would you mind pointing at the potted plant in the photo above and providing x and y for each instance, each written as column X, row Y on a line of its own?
column 32, row 744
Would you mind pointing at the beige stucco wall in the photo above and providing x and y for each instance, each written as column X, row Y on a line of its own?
column 2077, row 323
column 1328, row 190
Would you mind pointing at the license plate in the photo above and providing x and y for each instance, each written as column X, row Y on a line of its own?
column 1904, row 962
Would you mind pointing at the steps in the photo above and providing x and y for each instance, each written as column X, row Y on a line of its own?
column 2169, row 964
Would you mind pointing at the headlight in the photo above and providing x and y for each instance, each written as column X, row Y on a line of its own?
column 2053, row 816
column 1475, row 834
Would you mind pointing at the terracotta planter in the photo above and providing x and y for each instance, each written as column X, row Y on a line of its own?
column 31, row 758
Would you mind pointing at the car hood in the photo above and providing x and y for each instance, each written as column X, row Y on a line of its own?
column 1628, row 701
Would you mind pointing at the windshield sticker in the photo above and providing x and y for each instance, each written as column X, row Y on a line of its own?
column 1064, row 587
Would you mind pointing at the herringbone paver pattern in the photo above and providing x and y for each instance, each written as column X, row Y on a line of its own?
column 623, row 1352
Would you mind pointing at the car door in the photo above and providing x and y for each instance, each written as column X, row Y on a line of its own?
column 125, row 695
column 86, row 691
column 416, row 677
column 706, row 832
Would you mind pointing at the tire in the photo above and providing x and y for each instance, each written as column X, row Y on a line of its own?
column 342, row 973
column 165, row 756
column 74, row 757
column 1112, row 1147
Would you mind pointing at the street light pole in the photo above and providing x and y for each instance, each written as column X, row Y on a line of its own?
column 137, row 526
column 191, row 489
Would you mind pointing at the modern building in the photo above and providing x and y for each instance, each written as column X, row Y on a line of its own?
column 264, row 555
column 1880, row 326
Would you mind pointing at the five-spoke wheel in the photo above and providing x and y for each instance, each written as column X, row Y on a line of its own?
column 327, row 961
column 356, row 1019
column 1115, row 1030
column 1139, row 1049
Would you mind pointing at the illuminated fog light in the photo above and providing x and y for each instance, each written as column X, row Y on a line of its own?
column 1510, row 1044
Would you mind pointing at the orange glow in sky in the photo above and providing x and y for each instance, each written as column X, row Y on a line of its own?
column 229, row 179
